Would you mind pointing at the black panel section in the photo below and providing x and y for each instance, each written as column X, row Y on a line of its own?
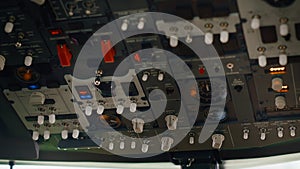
column 268, row 34
column 297, row 28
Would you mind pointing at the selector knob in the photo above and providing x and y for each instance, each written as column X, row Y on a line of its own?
column 2, row 62
column 171, row 122
column 166, row 143
column 46, row 135
column 217, row 140
column 277, row 83
column 280, row 132
column 173, row 41
column 280, row 102
column 138, row 125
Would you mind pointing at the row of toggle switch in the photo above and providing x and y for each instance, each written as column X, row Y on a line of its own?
column 166, row 144
column 140, row 25
column 282, row 56
column 64, row 134
column 27, row 61
column 263, row 133
column 41, row 119
column 208, row 38
column 160, row 76
column 283, row 27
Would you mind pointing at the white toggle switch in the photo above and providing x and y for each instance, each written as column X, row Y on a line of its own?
column 160, row 76
column 208, row 38
column 141, row 24
column 2, row 62
column 88, row 110
column 124, row 25
column 280, row 102
column 120, row 109
column 132, row 107
column 284, row 29
column 246, row 134
column 40, row 119
column 133, row 145
column 122, row 145
column 145, row 77
column 75, row 133
column 52, row 118
column 283, row 59
column 262, row 134
column 277, row 83
column 188, row 39
column 217, row 140
column 192, row 140
column 28, row 61
column 35, row 135
column 138, row 125
column 255, row 22
column 9, row 26
column 262, row 61
column 37, row 98
column 224, row 36
column 173, row 41
column 111, row 146
column 166, row 143
column 46, row 135
column 64, row 134
column 292, row 131
column 280, row 132
column 171, row 122
column 100, row 109
column 145, row 148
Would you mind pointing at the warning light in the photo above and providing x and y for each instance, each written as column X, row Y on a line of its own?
column 201, row 70
column 55, row 32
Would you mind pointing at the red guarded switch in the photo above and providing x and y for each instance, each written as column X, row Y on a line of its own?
column 108, row 51
column 64, row 55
